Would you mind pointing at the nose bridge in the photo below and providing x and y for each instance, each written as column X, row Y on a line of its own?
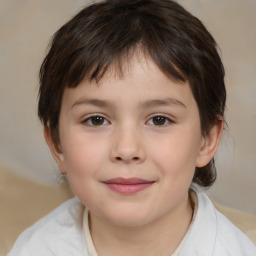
column 128, row 144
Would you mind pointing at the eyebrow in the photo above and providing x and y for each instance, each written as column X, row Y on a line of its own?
column 163, row 102
column 146, row 104
column 94, row 102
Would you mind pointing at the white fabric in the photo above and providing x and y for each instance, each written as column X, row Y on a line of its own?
column 90, row 246
column 60, row 233
column 212, row 234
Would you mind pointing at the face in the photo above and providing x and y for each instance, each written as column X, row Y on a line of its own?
column 130, row 145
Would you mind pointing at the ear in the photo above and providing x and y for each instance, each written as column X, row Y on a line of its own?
column 210, row 144
column 55, row 149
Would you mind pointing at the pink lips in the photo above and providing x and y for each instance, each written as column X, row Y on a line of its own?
column 128, row 186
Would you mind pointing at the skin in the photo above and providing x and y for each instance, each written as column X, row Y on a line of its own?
column 129, row 141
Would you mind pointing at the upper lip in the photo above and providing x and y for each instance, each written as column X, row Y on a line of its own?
column 128, row 181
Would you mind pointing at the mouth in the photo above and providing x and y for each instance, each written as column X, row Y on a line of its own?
column 128, row 185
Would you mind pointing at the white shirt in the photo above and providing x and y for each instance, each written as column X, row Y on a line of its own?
column 61, row 233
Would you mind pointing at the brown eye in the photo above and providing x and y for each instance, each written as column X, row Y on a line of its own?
column 95, row 121
column 159, row 120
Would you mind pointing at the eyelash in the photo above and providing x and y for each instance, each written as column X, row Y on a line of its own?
column 88, row 120
column 163, row 117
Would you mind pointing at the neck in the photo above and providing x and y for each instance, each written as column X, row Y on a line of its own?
column 160, row 237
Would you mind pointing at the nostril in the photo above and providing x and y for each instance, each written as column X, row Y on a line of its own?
column 118, row 158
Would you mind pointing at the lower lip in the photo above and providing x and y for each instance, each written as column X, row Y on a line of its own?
column 128, row 188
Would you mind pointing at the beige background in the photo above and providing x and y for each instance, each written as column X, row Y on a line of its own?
column 25, row 29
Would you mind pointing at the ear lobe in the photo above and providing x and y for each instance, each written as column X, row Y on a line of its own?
column 209, row 145
column 55, row 149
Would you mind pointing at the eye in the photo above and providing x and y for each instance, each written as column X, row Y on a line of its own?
column 159, row 120
column 95, row 121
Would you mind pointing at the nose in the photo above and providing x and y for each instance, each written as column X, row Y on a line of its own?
column 127, row 146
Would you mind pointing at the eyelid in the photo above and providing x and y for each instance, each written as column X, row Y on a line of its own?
column 167, row 117
column 89, row 116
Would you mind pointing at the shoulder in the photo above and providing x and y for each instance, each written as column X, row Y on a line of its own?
column 230, row 240
column 213, row 234
column 58, row 233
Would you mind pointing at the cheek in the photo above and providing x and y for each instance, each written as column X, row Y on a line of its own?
column 84, row 160
column 83, row 155
column 176, row 155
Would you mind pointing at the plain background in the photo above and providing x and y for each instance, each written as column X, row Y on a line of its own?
column 25, row 29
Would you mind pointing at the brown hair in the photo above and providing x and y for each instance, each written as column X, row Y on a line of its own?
column 108, row 32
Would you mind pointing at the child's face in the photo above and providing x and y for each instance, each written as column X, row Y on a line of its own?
column 130, row 145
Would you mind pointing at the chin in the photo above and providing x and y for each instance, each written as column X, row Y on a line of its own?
column 129, row 217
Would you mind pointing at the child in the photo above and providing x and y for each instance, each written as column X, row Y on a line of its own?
column 132, row 99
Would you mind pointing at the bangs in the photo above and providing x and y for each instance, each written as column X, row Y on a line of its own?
column 115, row 48
column 119, row 63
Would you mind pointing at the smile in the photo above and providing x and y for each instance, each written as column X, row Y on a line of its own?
column 128, row 186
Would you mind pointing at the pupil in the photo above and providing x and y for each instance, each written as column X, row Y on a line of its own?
column 159, row 120
column 97, row 120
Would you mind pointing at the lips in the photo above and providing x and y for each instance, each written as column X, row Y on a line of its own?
column 128, row 186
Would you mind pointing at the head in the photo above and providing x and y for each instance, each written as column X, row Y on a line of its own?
column 107, row 35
